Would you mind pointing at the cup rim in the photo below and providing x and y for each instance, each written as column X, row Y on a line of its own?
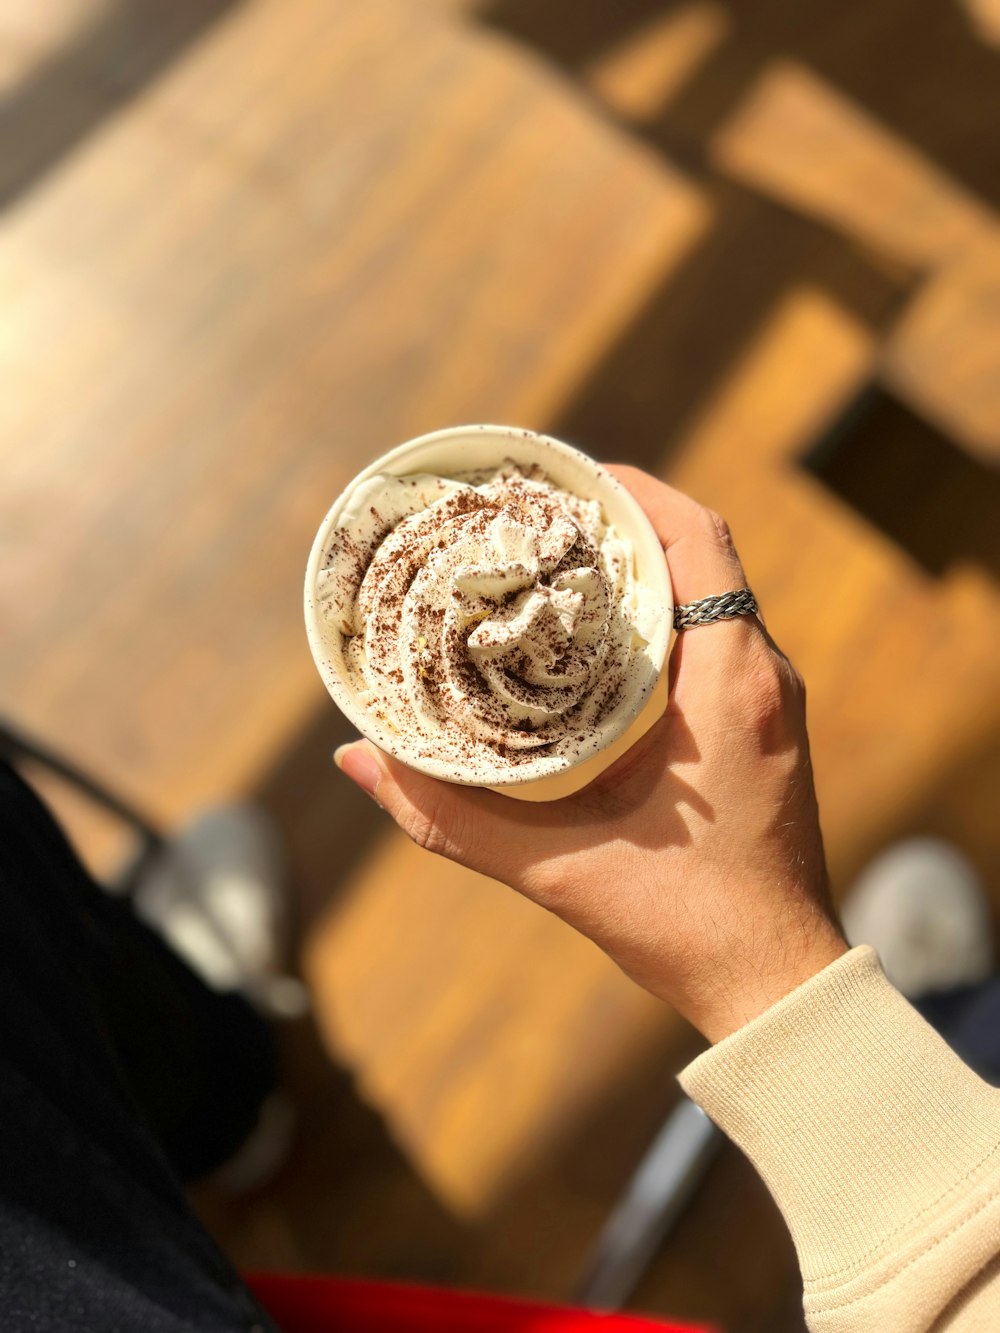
column 398, row 461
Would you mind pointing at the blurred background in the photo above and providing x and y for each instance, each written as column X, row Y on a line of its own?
column 247, row 245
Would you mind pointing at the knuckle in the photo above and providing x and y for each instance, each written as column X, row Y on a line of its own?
column 423, row 826
column 792, row 679
column 557, row 883
column 719, row 528
column 763, row 690
column 442, row 827
column 543, row 882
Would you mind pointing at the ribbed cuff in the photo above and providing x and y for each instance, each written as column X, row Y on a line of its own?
column 873, row 1137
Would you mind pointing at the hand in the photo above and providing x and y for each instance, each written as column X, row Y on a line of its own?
column 695, row 861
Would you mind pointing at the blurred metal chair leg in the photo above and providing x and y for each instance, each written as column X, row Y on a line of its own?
column 649, row 1206
column 214, row 889
column 17, row 745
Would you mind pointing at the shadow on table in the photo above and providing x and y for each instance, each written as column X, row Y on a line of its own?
column 74, row 90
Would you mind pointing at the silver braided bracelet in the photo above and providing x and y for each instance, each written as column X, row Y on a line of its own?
column 727, row 606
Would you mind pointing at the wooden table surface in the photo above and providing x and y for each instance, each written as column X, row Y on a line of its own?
column 301, row 232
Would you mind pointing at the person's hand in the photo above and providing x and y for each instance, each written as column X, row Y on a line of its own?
column 695, row 861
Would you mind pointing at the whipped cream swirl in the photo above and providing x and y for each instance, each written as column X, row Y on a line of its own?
column 487, row 618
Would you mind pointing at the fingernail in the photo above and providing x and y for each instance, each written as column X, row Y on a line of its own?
column 360, row 765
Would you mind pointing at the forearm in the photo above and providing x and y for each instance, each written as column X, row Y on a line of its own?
column 881, row 1148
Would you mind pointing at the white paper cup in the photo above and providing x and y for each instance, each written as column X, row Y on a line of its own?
column 454, row 452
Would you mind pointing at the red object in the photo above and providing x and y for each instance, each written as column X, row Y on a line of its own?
column 339, row 1305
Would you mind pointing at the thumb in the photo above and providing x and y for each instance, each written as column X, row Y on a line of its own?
column 477, row 828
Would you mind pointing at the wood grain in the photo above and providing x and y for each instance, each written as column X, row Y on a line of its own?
column 799, row 139
column 245, row 287
column 325, row 227
column 944, row 356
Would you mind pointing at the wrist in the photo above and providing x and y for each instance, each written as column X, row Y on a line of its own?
column 746, row 986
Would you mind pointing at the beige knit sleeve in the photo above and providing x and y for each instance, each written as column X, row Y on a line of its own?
column 880, row 1146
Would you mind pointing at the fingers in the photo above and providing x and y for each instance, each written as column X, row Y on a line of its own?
column 699, row 549
column 475, row 827
column 703, row 563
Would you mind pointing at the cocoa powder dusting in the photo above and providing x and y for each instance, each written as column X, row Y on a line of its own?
column 486, row 628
